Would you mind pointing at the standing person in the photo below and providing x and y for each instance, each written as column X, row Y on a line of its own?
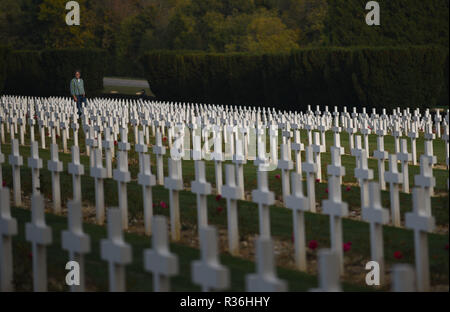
column 77, row 91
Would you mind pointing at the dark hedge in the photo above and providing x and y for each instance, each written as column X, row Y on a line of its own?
column 365, row 77
column 48, row 72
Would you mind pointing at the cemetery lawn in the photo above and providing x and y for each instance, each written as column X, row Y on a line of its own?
column 317, row 225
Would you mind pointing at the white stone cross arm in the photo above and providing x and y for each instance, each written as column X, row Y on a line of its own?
column 328, row 271
column 421, row 222
column 40, row 235
column 115, row 251
column 74, row 239
column 200, row 185
column 265, row 280
column 37, row 231
column 264, row 198
column 208, row 272
column 159, row 260
column 76, row 242
column 375, row 212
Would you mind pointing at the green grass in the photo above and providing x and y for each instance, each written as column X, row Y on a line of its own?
column 317, row 225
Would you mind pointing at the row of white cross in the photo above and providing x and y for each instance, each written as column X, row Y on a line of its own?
column 56, row 116
column 116, row 124
column 207, row 272
column 421, row 220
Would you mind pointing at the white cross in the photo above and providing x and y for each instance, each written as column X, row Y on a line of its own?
column 159, row 150
column 265, row 280
column 174, row 183
column 298, row 147
column 35, row 163
column 273, row 137
column 421, row 222
column 381, row 155
column 16, row 161
column 299, row 204
column 63, row 125
column 202, row 189
column 208, row 272
column 310, row 168
column 147, row 180
column 122, row 176
column 76, row 169
column 75, row 241
column 108, row 145
column 285, row 164
column 394, row 178
column 159, row 260
column 365, row 131
column 40, row 236
column 425, row 179
column 336, row 169
column 429, row 136
column 232, row 193
column 413, row 135
column 328, row 266
column 376, row 215
column 8, row 228
column 99, row 174
column 75, row 126
column 351, row 131
column 218, row 158
column 364, row 174
column 239, row 161
column 404, row 157
column 141, row 147
column 357, row 151
column 403, row 278
column 264, row 198
column 55, row 166
column 337, row 136
column 31, row 122
column 92, row 143
column 397, row 133
column 336, row 209
column 317, row 149
column 115, row 251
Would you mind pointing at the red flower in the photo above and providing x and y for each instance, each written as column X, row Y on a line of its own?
column 218, row 197
column 347, row 246
column 164, row 139
column 115, row 143
column 278, row 177
column 219, row 209
column 317, row 180
column 398, row 255
column 348, row 188
column 163, row 204
column 313, row 244
column 326, row 190
column 57, row 136
column 4, row 183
